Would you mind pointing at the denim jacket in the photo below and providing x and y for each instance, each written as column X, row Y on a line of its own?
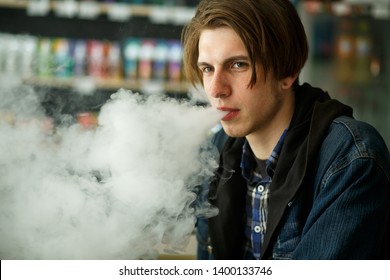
column 330, row 195
column 343, row 211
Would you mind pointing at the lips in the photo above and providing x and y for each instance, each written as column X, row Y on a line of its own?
column 230, row 113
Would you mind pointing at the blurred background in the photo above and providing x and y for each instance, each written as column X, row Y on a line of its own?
column 350, row 55
column 77, row 53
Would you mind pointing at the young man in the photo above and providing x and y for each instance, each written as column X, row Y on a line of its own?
column 299, row 178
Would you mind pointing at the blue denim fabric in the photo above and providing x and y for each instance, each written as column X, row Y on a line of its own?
column 349, row 193
column 202, row 237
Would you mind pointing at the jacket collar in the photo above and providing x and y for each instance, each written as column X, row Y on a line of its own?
column 314, row 112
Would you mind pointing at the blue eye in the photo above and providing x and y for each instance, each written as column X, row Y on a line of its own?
column 239, row 64
column 206, row 69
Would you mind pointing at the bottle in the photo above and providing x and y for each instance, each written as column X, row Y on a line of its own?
column 174, row 61
column 95, row 58
column 160, row 60
column 62, row 61
column 12, row 51
column 44, row 67
column 146, row 59
column 79, row 54
column 345, row 53
column 131, row 57
column 28, row 53
column 114, row 61
column 363, row 53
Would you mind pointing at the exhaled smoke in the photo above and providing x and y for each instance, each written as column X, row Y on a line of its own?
column 116, row 192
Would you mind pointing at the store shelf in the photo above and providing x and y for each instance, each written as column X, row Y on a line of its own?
column 45, row 34
column 15, row 4
column 137, row 10
column 88, row 83
column 115, row 11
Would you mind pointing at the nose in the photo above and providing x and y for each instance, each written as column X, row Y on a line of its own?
column 218, row 85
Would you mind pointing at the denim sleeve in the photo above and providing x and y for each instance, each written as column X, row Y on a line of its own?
column 350, row 215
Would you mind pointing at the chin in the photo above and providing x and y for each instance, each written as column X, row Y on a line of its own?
column 233, row 132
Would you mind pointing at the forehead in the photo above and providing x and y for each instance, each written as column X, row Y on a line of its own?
column 219, row 43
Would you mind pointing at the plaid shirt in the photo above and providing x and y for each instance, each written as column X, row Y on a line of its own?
column 257, row 195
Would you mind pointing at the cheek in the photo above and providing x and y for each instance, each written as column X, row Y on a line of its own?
column 213, row 101
column 206, row 83
column 207, row 92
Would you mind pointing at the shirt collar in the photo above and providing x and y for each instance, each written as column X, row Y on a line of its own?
column 248, row 159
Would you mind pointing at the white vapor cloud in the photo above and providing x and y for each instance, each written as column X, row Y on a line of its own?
column 116, row 192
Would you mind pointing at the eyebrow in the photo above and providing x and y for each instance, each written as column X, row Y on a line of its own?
column 226, row 61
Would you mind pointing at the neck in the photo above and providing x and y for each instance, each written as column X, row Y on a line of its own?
column 264, row 140
column 263, row 146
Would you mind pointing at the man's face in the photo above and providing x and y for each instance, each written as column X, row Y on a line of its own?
column 224, row 62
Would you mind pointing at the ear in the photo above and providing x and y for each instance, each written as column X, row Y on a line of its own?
column 287, row 82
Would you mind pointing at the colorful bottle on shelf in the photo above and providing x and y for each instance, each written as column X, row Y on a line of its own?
column 131, row 51
column 146, row 59
column 95, row 50
column 62, row 60
column 44, row 65
column 363, row 53
column 345, row 52
column 160, row 57
column 113, row 61
column 79, row 54
column 174, row 61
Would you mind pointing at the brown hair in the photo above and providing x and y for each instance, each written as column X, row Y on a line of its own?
column 271, row 31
